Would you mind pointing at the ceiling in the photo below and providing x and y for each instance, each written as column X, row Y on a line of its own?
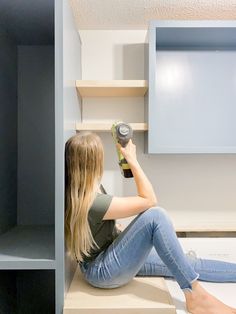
column 135, row 14
column 28, row 21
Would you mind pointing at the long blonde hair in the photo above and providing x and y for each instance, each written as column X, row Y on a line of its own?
column 84, row 159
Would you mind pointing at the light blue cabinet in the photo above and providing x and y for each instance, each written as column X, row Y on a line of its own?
column 192, row 87
column 39, row 63
column 28, row 262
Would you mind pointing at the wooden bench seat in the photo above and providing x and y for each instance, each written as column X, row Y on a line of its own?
column 143, row 295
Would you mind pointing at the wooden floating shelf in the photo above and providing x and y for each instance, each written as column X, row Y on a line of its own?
column 106, row 127
column 198, row 227
column 112, row 88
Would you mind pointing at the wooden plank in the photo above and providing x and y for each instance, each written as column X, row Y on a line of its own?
column 195, row 226
column 142, row 295
column 105, row 127
column 112, row 88
column 206, row 234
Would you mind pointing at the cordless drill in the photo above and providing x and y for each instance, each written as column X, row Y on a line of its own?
column 122, row 133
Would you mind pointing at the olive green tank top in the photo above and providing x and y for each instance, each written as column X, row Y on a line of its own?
column 104, row 231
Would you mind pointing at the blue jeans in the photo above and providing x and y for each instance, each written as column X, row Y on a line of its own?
column 149, row 247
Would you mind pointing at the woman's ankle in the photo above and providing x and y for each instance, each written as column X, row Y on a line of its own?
column 199, row 301
column 197, row 291
column 196, row 296
column 196, row 286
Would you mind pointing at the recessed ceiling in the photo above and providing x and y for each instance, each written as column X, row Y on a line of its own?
column 136, row 14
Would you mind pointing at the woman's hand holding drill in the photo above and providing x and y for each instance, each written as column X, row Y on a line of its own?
column 144, row 186
column 129, row 152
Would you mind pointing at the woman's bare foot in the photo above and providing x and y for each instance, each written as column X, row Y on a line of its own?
column 199, row 301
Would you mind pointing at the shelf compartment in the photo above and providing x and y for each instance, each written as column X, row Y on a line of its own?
column 191, row 87
column 106, row 127
column 28, row 247
column 27, row 291
column 112, row 88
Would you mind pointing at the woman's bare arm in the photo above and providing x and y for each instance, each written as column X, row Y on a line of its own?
column 122, row 207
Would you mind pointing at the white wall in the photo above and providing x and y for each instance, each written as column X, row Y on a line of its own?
column 197, row 188
column 71, row 71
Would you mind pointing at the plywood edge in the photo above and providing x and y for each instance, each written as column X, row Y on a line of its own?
column 111, row 83
column 106, row 127
column 111, row 88
column 198, row 227
column 121, row 311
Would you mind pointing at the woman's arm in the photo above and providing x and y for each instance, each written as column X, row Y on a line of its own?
column 122, row 207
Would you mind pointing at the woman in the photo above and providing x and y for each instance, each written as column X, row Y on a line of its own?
column 147, row 247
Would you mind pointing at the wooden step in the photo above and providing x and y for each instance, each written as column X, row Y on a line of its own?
column 142, row 295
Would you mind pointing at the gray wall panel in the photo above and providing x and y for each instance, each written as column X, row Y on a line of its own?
column 30, row 22
column 8, row 131
column 59, row 168
column 36, row 135
column 71, row 71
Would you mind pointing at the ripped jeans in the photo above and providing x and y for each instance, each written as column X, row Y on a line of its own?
column 149, row 247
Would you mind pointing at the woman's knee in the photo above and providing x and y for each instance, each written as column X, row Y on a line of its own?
column 156, row 213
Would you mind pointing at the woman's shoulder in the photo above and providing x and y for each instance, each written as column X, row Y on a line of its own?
column 101, row 199
column 100, row 205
